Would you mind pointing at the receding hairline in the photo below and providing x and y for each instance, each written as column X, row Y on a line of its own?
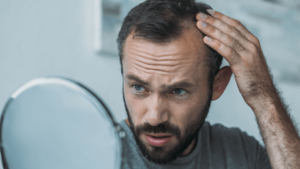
column 186, row 26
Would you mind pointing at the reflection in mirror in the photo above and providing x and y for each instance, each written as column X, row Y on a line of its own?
column 55, row 123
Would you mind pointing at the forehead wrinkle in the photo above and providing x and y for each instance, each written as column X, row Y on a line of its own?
column 145, row 67
column 146, row 54
column 155, row 58
column 166, row 65
column 150, row 62
column 152, row 71
column 163, row 61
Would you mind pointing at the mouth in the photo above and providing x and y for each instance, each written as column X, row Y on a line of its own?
column 158, row 140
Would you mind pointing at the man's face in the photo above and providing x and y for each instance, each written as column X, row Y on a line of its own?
column 166, row 93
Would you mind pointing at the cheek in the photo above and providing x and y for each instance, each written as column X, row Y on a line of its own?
column 136, row 107
column 184, row 113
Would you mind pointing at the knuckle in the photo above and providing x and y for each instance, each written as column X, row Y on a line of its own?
column 230, row 40
column 240, row 48
column 212, row 20
column 230, row 29
column 222, row 48
column 218, row 34
column 234, row 58
column 218, row 45
column 255, row 40
column 253, row 48
column 221, row 16
column 233, row 43
column 198, row 24
column 211, row 29
column 236, row 22
column 236, row 33
column 228, row 51
column 218, row 23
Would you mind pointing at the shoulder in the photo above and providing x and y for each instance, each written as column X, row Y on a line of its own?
column 237, row 145
column 219, row 129
column 231, row 138
column 220, row 132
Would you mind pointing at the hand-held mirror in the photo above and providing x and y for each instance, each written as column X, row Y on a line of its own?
column 56, row 123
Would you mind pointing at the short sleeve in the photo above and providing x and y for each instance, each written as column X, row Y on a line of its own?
column 239, row 148
column 257, row 154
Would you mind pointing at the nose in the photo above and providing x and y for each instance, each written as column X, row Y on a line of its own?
column 157, row 111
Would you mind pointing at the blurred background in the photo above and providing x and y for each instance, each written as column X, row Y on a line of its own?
column 76, row 39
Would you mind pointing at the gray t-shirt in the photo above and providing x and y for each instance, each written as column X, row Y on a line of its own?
column 217, row 147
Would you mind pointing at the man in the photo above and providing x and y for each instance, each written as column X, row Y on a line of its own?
column 170, row 54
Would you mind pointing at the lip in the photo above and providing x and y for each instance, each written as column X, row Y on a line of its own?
column 153, row 139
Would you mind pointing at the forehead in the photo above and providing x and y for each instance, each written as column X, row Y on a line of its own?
column 184, row 57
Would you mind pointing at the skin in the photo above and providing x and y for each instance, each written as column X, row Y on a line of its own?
column 243, row 52
column 162, row 69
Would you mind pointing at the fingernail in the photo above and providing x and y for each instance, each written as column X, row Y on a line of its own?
column 202, row 15
column 208, row 38
column 203, row 24
column 210, row 11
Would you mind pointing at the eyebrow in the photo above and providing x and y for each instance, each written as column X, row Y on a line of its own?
column 183, row 84
column 135, row 78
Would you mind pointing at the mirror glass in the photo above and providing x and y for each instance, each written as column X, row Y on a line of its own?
column 55, row 123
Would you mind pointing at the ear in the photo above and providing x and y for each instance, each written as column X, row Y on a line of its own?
column 221, row 81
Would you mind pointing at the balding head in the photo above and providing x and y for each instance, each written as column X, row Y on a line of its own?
column 163, row 21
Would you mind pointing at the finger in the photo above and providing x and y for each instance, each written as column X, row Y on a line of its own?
column 221, row 36
column 224, row 27
column 235, row 23
column 227, row 52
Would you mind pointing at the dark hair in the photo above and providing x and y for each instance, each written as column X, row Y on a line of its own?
column 161, row 21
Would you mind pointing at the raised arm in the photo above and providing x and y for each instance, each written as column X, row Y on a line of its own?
column 243, row 52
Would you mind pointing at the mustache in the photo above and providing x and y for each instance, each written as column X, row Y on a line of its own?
column 161, row 128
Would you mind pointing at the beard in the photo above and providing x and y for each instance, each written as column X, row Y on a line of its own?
column 163, row 155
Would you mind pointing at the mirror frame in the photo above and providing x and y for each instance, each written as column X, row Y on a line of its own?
column 64, row 81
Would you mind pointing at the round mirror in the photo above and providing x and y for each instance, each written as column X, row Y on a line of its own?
column 55, row 123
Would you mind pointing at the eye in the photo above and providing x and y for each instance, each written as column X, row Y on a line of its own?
column 138, row 87
column 179, row 91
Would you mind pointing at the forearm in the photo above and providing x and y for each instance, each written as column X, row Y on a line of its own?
column 243, row 52
column 278, row 132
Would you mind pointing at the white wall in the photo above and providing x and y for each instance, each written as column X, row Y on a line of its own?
column 55, row 37
column 42, row 37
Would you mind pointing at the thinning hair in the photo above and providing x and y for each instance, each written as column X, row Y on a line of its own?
column 161, row 21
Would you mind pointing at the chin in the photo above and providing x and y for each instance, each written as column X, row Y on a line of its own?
column 160, row 155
